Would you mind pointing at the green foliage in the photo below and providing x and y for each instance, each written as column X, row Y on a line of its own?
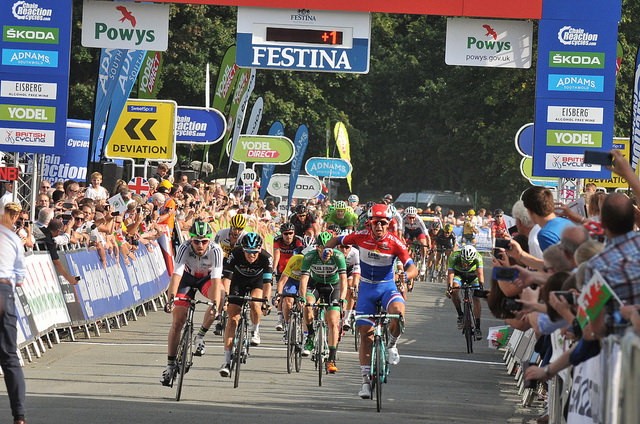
column 414, row 122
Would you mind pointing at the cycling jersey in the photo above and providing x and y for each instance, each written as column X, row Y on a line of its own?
column 246, row 276
column 294, row 267
column 286, row 250
column 223, row 238
column 466, row 272
column 414, row 229
column 499, row 230
column 210, row 263
column 377, row 256
column 349, row 219
column 321, row 272
column 445, row 241
column 302, row 227
column 353, row 262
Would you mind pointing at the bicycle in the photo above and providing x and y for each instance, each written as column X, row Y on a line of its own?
column 379, row 370
column 184, row 355
column 320, row 354
column 468, row 321
column 440, row 268
column 241, row 342
column 294, row 335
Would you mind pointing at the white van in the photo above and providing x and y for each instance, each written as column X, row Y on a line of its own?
column 446, row 199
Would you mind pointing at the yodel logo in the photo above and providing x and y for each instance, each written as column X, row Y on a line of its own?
column 570, row 36
column 26, row 34
column 558, row 59
column 590, row 139
column 27, row 113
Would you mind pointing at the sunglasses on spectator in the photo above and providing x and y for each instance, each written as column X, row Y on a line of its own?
column 382, row 222
column 203, row 242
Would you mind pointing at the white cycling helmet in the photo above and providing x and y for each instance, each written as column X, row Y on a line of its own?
column 468, row 253
column 411, row 211
column 353, row 199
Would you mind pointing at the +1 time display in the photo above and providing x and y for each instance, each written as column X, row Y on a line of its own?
column 309, row 36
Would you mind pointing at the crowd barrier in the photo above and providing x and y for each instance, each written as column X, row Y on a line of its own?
column 107, row 294
column 602, row 390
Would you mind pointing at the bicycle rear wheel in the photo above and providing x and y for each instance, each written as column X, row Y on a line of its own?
column 467, row 327
column 356, row 335
column 380, row 370
column 299, row 341
column 238, row 350
column 183, row 358
column 291, row 343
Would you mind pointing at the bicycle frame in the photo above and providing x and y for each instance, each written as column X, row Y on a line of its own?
column 468, row 320
column 241, row 344
column 294, row 335
column 320, row 353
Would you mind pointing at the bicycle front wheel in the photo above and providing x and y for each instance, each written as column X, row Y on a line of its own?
column 291, row 343
column 467, row 327
column 320, row 352
column 356, row 334
column 184, row 357
column 299, row 341
column 241, row 334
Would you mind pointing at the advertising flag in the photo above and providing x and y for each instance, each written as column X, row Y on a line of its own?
column 148, row 77
column 255, row 117
column 300, row 143
column 342, row 141
column 244, row 88
column 127, row 77
column 226, row 79
column 267, row 170
column 635, row 117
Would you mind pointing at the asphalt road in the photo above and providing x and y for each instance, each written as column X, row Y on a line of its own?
column 114, row 378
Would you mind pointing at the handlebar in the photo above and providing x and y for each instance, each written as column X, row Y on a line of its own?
column 193, row 301
column 247, row 298
column 378, row 316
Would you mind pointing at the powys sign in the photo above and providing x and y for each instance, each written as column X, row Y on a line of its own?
column 125, row 25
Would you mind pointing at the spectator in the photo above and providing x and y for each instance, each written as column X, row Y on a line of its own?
column 95, row 190
column 71, row 193
column 540, row 204
column 7, row 197
column 12, row 273
column 162, row 172
column 49, row 233
column 526, row 226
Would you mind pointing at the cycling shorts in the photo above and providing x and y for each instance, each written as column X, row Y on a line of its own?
column 457, row 281
column 291, row 286
column 189, row 285
column 326, row 293
column 243, row 289
column 370, row 294
column 469, row 237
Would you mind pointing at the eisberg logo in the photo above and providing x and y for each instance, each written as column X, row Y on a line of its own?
column 30, row 12
column 570, row 36
column 580, row 83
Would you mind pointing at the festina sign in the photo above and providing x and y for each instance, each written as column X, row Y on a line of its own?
column 125, row 25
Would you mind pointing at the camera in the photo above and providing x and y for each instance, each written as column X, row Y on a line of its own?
column 597, row 157
column 528, row 384
column 511, row 305
column 503, row 243
column 498, row 253
column 505, row 274
column 569, row 296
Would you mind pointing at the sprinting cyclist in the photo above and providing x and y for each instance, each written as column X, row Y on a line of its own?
column 341, row 216
column 354, row 203
column 198, row 266
column 352, row 257
column 469, row 228
column 415, row 231
column 228, row 239
column 305, row 223
column 445, row 243
column 466, row 266
column 378, row 252
column 247, row 271
column 283, row 248
column 289, row 283
column 324, row 277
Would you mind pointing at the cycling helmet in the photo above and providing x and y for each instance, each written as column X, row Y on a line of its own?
column 287, row 226
column 301, row 209
column 471, row 212
column 323, row 238
column 238, row 221
column 309, row 244
column 251, row 241
column 468, row 253
column 353, row 199
column 448, row 228
column 334, row 228
column 200, row 230
column 411, row 211
column 340, row 205
column 369, row 204
column 498, row 212
column 435, row 225
column 388, row 198
column 379, row 210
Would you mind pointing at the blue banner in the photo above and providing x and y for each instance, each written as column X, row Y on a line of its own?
column 634, row 149
column 328, row 167
column 604, row 10
column 110, row 62
column 34, row 74
column 199, row 125
column 127, row 77
column 267, row 170
column 300, row 143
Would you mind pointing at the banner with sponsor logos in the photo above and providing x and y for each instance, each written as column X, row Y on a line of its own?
column 148, row 77
column 575, row 89
column 635, row 117
column 34, row 74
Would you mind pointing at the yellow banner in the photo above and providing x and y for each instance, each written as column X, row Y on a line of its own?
column 342, row 141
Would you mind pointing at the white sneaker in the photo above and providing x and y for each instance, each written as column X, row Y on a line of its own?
column 167, row 375
column 255, row 338
column 280, row 325
column 394, row 356
column 365, row 391
column 200, row 347
column 225, row 370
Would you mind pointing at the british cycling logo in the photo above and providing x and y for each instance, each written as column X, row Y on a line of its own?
column 25, row 11
column 570, row 36
column 9, row 138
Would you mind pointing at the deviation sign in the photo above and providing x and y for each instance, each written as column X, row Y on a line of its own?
column 145, row 129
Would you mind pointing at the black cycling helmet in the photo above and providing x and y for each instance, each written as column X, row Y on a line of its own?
column 287, row 226
column 200, row 230
column 301, row 209
column 251, row 241
column 334, row 228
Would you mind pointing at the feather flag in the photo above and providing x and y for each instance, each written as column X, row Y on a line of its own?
column 342, row 141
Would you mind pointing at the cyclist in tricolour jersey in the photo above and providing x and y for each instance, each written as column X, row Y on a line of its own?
column 378, row 252
column 198, row 267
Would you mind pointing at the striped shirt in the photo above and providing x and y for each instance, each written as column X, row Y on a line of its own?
column 210, row 263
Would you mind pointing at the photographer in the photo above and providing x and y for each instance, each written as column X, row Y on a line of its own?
column 23, row 230
column 47, row 242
